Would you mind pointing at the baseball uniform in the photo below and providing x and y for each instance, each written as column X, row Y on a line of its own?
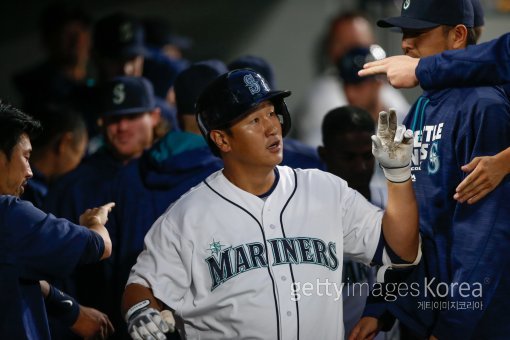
column 235, row 265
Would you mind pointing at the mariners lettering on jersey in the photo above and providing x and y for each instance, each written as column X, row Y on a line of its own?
column 226, row 263
column 426, row 147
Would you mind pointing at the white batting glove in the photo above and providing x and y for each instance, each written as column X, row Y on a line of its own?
column 393, row 147
column 148, row 323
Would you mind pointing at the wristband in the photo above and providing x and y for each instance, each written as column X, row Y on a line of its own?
column 397, row 175
column 62, row 306
column 136, row 308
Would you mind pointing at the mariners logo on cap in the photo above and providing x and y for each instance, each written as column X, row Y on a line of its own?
column 406, row 4
column 119, row 94
column 126, row 32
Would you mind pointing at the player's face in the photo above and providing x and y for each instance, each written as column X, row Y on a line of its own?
column 15, row 172
column 256, row 140
column 133, row 67
column 424, row 43
column 347, row 34
column 129, row 135
column 72, row 153
column 350, row 157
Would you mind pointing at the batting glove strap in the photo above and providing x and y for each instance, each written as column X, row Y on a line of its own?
column 397, row 175
column 146, row 323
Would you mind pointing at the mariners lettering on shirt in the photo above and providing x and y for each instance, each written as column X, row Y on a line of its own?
column 426, row 145
column 226, row 263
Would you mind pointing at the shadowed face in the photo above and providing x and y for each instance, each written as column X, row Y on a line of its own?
column 15, row 172
column 424, row 43
column 349, row 156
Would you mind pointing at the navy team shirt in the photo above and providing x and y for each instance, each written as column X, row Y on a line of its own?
column 36, row 246
column 461, row 243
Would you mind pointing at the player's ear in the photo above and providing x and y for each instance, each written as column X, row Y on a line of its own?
column 220, row 138
column 458, row 37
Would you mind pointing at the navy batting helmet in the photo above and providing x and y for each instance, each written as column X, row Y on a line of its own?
column 232, row 96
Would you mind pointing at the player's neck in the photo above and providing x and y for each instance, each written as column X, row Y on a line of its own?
column 255, row 181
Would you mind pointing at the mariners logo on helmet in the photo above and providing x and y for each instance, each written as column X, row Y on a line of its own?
column 253, row 85
column 232, row 96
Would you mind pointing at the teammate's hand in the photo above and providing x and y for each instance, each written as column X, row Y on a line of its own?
column 97, row 215
column 92, row 324
column 392, row 147
column 366, row 328
column 485, row 175
column 150, row 324
column 400, row 70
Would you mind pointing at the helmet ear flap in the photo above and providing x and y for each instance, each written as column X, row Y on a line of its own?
column 206, row 133
column 283, row 114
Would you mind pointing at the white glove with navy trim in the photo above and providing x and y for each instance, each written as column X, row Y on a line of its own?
column 145, row 323
column 393, row 147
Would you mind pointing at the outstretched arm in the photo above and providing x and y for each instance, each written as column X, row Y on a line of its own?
column 95, row 219
column 483, row 64
column 392, row 147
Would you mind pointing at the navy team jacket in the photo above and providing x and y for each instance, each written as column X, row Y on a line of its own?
column 463, row 280
column 35, row 246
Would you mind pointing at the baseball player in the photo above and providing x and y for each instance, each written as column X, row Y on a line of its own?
column 235, row 256
column 34, row 245
column 462, row 244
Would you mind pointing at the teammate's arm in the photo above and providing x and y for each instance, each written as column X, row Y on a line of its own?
column 95, row 219
column 483, row 64
column 84, row 321
column 392, row 147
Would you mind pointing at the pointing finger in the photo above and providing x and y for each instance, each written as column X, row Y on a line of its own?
column 108, row 206
column 372, row 70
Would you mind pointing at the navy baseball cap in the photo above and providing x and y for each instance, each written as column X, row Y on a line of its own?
column 191, row 82
column 119, row 35
column 161, row 71
column 127, row 95
column 421, row 14
column 478, row 13
column 354, row 59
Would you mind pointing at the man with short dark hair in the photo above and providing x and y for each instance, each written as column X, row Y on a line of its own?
column 35, row 246
column 229, row 255
column 462, row 244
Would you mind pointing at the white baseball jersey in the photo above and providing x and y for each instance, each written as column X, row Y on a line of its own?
column 233, row 265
